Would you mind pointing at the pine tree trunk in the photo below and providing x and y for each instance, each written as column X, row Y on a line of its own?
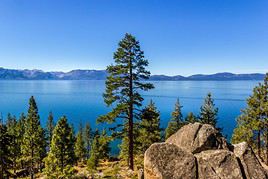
column 259, row 143
column 131, row 160
column 130, row 122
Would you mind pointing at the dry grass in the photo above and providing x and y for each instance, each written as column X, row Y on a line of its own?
column 106, row 169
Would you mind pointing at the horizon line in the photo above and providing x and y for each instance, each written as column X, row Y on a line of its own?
column 67, row 71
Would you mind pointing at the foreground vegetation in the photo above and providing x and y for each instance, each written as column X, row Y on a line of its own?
column 252, row 124
column 28, row 149
column 56, row 151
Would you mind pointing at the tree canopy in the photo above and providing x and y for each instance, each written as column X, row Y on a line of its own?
column 252, row 124
column 61, row 156
column 123, row 85
column 176, row 121
column 208, row 111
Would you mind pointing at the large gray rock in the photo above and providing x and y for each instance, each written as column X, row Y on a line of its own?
column 198, row 151
column 167, row 161
column 218, row 164
column 251, row 166
column 198, row 137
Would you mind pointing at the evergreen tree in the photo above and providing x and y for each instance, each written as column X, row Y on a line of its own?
column 104, row 143
column 33, row 146
column 14, row 146
column 150, row 131
column 244, row 131
column 125, row 80
column 250, row 121
column 49, row 128
column 190, row 118
column 208, row 112
column 80, row 150
column 124, row 148
column 252, row 124
column 88, row 139
column 4, row 151
column 176, row 121
column 61, row 157
column 93, row 160
column 264, row 114
column 100, row 149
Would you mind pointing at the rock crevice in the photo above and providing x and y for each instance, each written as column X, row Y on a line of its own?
column 198, row 151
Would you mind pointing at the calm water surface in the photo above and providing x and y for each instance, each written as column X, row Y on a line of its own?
column 82, row 101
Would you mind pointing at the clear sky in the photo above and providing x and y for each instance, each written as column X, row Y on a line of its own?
column 178, row 36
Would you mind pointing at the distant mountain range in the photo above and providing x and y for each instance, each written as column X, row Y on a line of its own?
column 12, row 74
column 213, row 77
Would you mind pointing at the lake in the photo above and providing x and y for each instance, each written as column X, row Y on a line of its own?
column 82, row 101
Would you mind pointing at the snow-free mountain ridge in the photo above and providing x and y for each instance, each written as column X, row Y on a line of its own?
column 14, row 74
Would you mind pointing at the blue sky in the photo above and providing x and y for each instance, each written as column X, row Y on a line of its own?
column 178, row 36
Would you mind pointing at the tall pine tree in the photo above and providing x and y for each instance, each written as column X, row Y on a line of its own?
column 61, row 157
column 33, row 146
column 176, row 121
column 208, row 111
column 123, row 86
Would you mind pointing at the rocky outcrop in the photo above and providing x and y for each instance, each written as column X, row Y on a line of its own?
column 250, row 163
column 165, row 160
column 218, row 164
column 196, row 137
column 198, row 151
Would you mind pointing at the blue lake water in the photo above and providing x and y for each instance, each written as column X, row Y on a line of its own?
column 82, row 101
